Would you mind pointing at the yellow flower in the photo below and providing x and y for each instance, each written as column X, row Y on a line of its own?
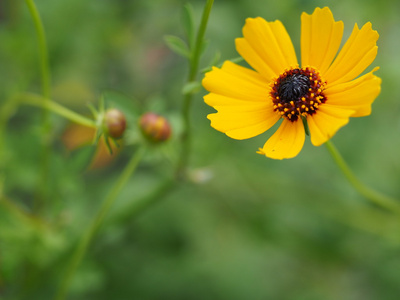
column 324, row 92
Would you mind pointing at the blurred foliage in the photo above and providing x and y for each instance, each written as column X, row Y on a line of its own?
column 246, row 227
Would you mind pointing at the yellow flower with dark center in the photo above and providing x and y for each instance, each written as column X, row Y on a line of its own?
column 325, row 92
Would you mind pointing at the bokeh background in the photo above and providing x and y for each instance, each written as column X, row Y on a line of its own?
column 245, row 227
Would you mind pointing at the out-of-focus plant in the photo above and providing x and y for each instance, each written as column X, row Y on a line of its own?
column 140, row 134
column 109, row 124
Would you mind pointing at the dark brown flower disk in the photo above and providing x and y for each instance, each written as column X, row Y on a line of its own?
column 298, row 92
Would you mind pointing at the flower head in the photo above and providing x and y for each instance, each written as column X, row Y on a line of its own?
column 114, row 123
column 154, row 127
column 324, row 92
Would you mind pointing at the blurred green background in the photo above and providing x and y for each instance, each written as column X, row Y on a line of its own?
column 246, row 227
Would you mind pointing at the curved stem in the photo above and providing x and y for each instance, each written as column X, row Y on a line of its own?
column 187, row 101
column 372, row 195
column 93, row 228
column 45, row 80
column 44, row 103
column 44, row 57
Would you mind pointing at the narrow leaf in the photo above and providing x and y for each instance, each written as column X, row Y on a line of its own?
column 177, row 45
column 214, row 62
column 188, row 24
column 191, row 87
column 204, row 46
column 106, row 139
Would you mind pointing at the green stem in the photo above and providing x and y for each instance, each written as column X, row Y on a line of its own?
column 372, row 195
column 6, row 111
column 44, row 58
column 130, row 211
column 88, row 236
column 42, row 102
column 46, row 125
column 194, row 62
column 187, row 101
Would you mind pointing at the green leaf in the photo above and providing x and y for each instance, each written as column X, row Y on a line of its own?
column 106, row 139
column 93, row 110
column 237, row 60
column 177, row 45
column 214, row 61
column 216, row 58
column 204, row 46
column 191, row 87
column 81, row 158
column 188, row 24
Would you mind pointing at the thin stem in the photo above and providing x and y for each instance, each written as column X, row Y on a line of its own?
column 137, row 206
column 6, row 111
column 93, row 228
column 372, row 195
column 44, row 57
column 42, row 102
column 199, row 40
column 45, row 81
column 187, row 101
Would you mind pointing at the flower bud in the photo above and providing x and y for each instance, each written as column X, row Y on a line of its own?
column 114, row 123
column 155, row 127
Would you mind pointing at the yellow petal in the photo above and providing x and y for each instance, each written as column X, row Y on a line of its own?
column 356, row 55
column 357, row 95
column 326, row 122
column 216, row 100
column 241, row 97
column 243, row 124
column 237, row 82
column 250, row 131
column 244, row 73
column 284, row 43
column 286, row 142
column 320, row 38
column 267, row 47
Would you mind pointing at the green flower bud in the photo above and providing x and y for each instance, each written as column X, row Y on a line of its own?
column 114, row 123
column 154, row 127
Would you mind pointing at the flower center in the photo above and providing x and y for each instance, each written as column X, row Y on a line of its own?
column 298, row 92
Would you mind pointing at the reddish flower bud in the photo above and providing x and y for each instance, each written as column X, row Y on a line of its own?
column 114, row 123
column 155, row 127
